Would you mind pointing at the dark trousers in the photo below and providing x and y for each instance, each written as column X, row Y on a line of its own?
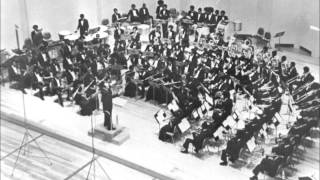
column 187, row 142
column 108, row 119
column 269, row 165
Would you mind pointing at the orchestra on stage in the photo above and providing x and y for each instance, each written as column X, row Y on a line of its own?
column 184, row 63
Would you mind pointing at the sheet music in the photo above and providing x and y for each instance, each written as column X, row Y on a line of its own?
column 195, row 114
column 209, row 99
column 218, row 132
column 184, row 125
column 173, row 106
column 251, row 144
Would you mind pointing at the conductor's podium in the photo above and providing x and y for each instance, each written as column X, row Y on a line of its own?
column 117, row 136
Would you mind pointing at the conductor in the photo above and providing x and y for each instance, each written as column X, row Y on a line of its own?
column 106, row 99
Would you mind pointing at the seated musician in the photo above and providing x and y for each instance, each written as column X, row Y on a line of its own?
column 184, row 37
column 43, row 57
column 163, row 133
column 155, row 34
column 171, row 34
column 131, row 87
column 133, row 14
column 165, row 51
column 135, row 37
column 270, row 164
column 115, row 16
column 56, row 88
column 87, row 99
column 292, row 72
column 197, row 140
column 144, row 13
column 55, row 67
column 38, row 82
column 305, row 78
column 232, row 151
column 14, row 72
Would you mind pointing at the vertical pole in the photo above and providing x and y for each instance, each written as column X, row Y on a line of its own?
column 17, row 37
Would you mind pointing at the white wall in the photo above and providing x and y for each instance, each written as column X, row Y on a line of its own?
column 292, row 16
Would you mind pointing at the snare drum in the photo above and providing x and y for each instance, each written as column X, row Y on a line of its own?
column 72, row 37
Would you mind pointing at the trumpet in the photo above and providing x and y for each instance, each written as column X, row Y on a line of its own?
column 302, row 88
column 292, row 79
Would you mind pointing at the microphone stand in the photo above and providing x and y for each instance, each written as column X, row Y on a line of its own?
column 94, row 160
column 25, row 142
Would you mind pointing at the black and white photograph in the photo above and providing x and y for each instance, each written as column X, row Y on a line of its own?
column 159, row 90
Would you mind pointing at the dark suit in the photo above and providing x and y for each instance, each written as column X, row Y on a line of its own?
column 159, row 8
column 115, row 17
column 200, row 18
column 193, row 15
column 144, row 14
column 106, row 100
column 133, row 15
column 83, row 26
column 164, row 14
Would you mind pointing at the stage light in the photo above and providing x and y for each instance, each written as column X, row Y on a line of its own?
column 315, row 28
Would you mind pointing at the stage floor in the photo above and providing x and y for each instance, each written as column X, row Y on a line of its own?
column 143, row 147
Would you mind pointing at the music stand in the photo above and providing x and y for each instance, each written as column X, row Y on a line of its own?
column 279, row 35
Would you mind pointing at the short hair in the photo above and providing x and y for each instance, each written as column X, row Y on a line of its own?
column 306, row 69
column 283, row 58
column 192, row 7
column 222, row 12
column 133, row 5
column 115, row 9
column 165, row 5
column 199, row 9
column 35, row 26
column 135, row 27
column 81, row 15
column 293, row 63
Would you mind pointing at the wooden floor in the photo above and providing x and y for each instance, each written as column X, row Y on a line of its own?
column 65, row 159
column 143, row 147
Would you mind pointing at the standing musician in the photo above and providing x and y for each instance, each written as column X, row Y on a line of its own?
column 164, row 15
column 200, row 16
column 36, row 36
column 193, row 14
column 159, row 8
column 144, row 13
column 115, row 16
column 83, row 26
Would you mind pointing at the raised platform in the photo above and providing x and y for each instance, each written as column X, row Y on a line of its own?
column 117, row 136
